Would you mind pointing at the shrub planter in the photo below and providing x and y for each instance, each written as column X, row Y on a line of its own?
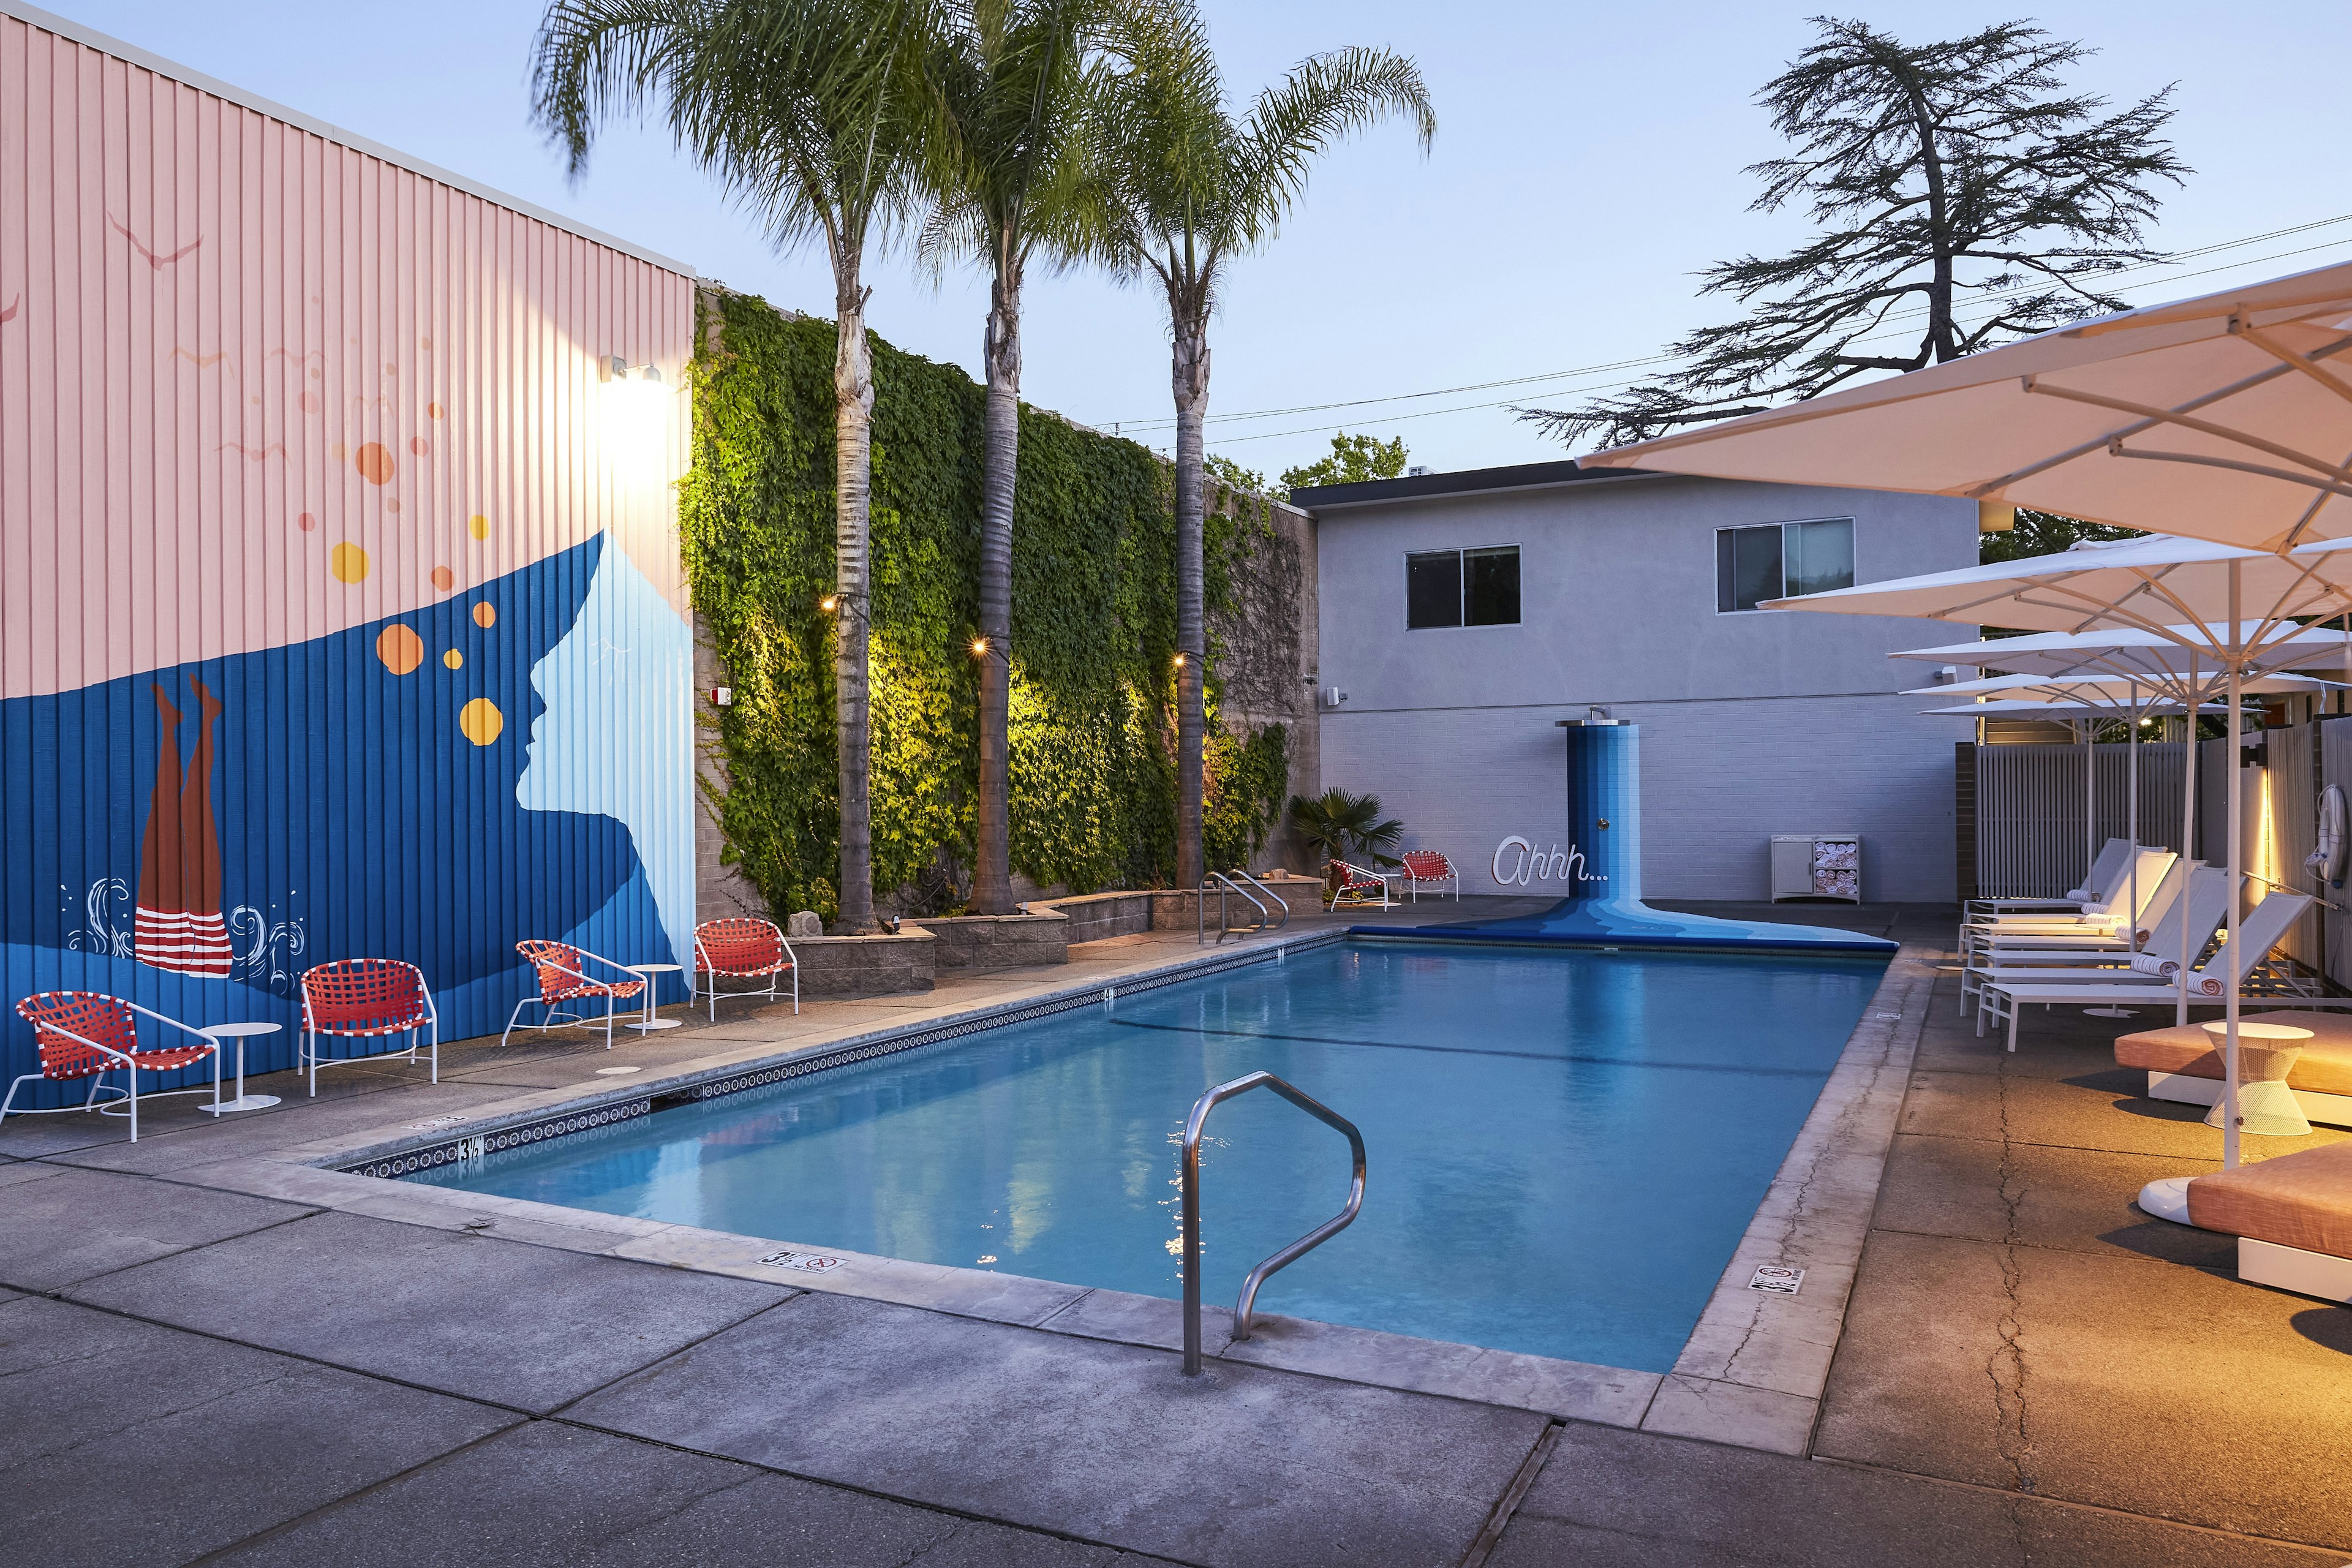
column 975, row 944
column 865, row 965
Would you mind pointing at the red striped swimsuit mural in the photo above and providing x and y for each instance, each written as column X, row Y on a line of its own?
column 179, row 926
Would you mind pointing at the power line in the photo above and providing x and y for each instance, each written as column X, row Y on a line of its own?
column 1164, row 422
column 1611, row 385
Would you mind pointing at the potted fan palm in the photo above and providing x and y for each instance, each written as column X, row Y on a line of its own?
column 1344, row 827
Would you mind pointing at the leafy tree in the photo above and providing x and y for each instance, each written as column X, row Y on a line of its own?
column 1232, row 476
column 1353, row 460
column 2043, row 534
column 1013, row 92
column 1946, row 178
column 1342, row 826
column 814, row 116
column 1181, row 188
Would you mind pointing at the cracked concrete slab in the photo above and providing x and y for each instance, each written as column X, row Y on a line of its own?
column 531, row 1327
column 134, row 1445
column 1606, row 1500
column 2118, row 1381
column 1109, row 1443
column 77, row 1224
column 2078, row 1199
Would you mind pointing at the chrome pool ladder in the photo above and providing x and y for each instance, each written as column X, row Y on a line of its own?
column 1289, row 1255
column 1224, row 886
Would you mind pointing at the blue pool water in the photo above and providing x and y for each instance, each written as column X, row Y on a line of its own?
column 1565, row 1147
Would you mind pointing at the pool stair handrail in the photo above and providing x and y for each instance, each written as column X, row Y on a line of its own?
column 1289, row 1255
column 1281, row 920
column 1223, row 886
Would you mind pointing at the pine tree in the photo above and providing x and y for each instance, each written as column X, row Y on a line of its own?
column 1960, row 191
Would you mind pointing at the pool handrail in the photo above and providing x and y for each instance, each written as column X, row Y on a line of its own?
column 1280, row 921
column 1191, row 1185
column 1221, row 884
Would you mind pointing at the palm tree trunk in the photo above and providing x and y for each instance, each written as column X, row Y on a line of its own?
column 1189, row 374
column 991, row 892
column 852, row 387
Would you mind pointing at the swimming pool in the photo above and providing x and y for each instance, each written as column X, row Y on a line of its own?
column 1564, row 1147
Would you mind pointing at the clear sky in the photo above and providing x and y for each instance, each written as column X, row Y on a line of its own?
column 1588, row 161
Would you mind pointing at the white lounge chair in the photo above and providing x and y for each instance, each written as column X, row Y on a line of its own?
column 2106, row 866
column 2023, row 960
column 2158, row 909
column 2145, row 876
column 2207, row 986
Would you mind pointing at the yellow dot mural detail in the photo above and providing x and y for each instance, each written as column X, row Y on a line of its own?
column 478, row 525
column 400, row 647
column 349, row 562
column 486, row 615
column 480, row 720
column 454, row 659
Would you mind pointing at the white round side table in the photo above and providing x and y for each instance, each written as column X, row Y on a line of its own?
column 2266, row 1054
column 240, row 1032
column 647, row 971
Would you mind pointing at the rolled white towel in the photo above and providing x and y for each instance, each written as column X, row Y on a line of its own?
column 2098, row 908
column 2076, row 894
column 2205, row 986
column 2151, row 963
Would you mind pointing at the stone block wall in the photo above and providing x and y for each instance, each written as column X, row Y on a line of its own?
column 866, row 965
column 978, row 943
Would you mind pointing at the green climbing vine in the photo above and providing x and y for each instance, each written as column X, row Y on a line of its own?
column 1093, row 721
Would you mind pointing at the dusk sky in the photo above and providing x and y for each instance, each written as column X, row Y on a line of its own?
column 1588, row 161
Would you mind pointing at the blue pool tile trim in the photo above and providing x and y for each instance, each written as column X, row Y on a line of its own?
column 475, row 1146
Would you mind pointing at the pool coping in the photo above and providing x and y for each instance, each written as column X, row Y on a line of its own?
column 1751, row 1374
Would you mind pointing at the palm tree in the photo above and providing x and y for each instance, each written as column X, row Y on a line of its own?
column 1340, row 825
column 1013, row 88
column 814, row 116
column 1185, row 187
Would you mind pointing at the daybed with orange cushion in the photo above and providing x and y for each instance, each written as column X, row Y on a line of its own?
column 2182, row 1065
column 2292, row 1217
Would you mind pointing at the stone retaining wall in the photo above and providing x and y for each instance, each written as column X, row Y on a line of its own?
column 866, row 965
column 979, row 944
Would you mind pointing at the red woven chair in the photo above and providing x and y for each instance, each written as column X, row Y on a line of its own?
column 564, row 975
column 87, row 1034
column 365, row 999
column 1346, row 884
column 743, row 949
column 1428, row 865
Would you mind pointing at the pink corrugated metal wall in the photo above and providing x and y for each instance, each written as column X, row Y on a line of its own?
column 340, row 611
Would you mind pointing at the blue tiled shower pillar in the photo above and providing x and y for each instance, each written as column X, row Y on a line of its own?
column 1604, row 809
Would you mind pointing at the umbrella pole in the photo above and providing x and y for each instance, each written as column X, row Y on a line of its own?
column 2187, row 831
column 2090, row 803
column 2234, row 962
column 2131, row 814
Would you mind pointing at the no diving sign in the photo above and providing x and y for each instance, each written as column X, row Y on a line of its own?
column 807, row 1262
column 1778, row 1281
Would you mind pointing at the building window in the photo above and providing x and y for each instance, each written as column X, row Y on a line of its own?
column 1780, row 560
column 1461, row 587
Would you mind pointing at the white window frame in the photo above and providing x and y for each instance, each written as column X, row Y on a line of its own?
column 1404, row 581
column 1716, row 563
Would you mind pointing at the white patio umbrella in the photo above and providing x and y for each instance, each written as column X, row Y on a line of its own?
column 2213, row 419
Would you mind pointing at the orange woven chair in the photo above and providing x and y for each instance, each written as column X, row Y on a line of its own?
column 743, row 949
column 88, row 1034
column 564, row 976
column 365, row 999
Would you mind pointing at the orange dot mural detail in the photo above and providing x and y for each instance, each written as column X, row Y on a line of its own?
column 420, row 446
column 306, row 523
column 433, row 410
column 375, row 463
column 400, row 647
column 349, row 562
column 480, row 720
column 443, row 579
column 486, row 615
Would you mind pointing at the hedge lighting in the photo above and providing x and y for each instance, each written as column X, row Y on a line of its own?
column 979, row 647
column 829, row 604
column 1179, row 661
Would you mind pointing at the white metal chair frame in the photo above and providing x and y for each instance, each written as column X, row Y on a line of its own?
column 703, row 965
column 127, row 1064
column 306, row 1049
column 1356, row 878
column 557, row 1019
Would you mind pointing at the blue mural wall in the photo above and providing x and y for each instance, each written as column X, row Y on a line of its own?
column 511, row 763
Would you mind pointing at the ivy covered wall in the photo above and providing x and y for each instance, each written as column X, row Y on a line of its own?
column 1094, row 624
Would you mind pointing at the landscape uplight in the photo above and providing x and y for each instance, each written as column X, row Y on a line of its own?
column 979, row 647
column 829, row 604
column 1179, row 661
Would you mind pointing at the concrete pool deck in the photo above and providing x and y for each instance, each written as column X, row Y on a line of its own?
column 2028, row 1370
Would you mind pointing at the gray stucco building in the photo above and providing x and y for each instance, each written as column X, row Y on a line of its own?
column 1463, row 614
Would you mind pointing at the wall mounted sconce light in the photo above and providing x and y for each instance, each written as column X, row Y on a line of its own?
column 1179, row 661
column 612, row 367
column 979, row 647
column 829, row 604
